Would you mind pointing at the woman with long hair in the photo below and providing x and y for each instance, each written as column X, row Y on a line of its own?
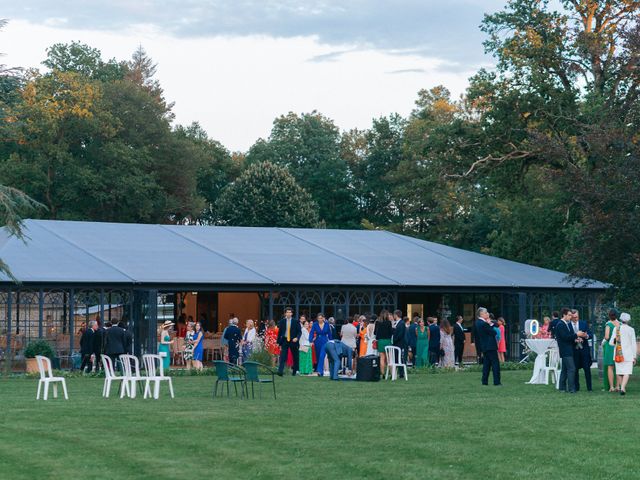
column 422, row 345
column 187, row 353
column 383, row 332
column 502, row 343
column 198, row 346
column 446, row 344
column 319, row 335
column 608, row 351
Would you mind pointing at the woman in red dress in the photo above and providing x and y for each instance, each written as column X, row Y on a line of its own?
column 502, row 344
column 271, row 341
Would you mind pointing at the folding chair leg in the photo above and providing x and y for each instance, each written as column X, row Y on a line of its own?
column 215, row 389
column 39, row 388
column 46, row 390
column 55, row 390
column 171, row 388
column 405, row 373
column 64, row 389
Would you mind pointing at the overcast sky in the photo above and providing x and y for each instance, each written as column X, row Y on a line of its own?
column 235, row 65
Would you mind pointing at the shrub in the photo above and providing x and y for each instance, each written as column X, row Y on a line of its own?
column 39, row 347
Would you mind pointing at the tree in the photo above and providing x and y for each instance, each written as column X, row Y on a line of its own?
column 95, row 149
column 14, row 204
column 372, row 157
column 85, row 60
column 266, row 195
column 308, row 145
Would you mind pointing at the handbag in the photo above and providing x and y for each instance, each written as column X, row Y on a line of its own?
column 304, row 348
column 618, row 358
column 162, row 354
column 375, row 344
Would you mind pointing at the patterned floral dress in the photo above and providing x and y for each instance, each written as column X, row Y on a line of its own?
column 446, row 344
column 188, row 346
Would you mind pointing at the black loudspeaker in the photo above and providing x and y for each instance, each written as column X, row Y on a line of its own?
column 368, row 369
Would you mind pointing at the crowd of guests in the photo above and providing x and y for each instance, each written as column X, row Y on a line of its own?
column 306, row 346
column 619, row 349
column 110, row 338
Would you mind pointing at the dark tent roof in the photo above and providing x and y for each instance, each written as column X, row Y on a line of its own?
column 124, row 253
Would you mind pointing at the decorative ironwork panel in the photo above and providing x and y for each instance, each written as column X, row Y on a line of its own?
column 384, row 299
column 285, row 299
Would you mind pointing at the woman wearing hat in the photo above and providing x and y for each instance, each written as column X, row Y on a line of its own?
column 626, row 350
column 164, row 347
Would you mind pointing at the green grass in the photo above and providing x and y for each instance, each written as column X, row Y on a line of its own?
column 433, row 426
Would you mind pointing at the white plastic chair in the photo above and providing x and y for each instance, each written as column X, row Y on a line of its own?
column 155, row 375
column 110, row 376
column 394, row 361
column 46, row 378
column 131, row 377
column 551, row 366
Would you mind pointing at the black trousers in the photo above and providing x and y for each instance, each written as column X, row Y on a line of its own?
column 295, row 353
column 434, row 357
column 490, row 362
column 86, row 362
column 98, row 359
column 458, row 351
column 568, row 375
column 582, row 363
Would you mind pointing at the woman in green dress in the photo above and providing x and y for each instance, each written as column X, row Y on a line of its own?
column 422, row 346
column 164, row 347
column 608, row 364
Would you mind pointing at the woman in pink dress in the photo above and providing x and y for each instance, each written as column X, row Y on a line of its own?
column 502, row 344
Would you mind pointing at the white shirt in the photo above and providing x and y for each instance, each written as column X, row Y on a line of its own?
column 348, row 334
column 249, row 335
column 304, row 338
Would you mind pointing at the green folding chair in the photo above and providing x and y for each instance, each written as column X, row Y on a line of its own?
column 228, row 372
column 259, row 373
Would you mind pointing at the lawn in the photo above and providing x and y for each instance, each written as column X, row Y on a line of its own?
column 433, row 426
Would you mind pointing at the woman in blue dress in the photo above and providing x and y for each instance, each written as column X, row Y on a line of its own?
column 198, row 345
column 319, row 335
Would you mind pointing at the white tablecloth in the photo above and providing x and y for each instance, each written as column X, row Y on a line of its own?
column 540, row 346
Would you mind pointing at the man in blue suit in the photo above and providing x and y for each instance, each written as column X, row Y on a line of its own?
column 566, row 338
column 486, row 338
column 582, row 353
column 335, row 350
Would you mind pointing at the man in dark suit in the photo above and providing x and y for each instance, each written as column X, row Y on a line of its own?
column 400, row 334
column 86, row 345
column 116, row 340
column 128, row 337
column 566, row 338
column 434, row 340
column 458, row 340
column 555, row 318
column 289, row 332
column 486, row 338
column 233, row 336
column 98, row 345
column 582, row 352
